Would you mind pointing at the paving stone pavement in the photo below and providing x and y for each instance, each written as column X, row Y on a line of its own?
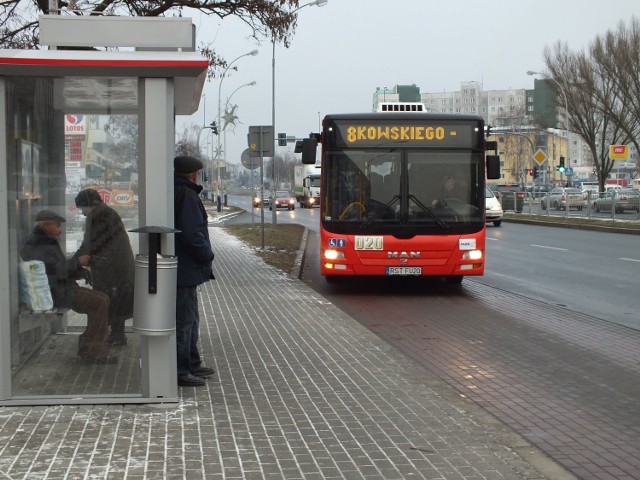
column 302, row 391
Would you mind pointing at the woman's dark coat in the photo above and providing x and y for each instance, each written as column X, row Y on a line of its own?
column 112, row 262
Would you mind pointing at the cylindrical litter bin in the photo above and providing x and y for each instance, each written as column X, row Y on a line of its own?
column 519, row 201
column 154, row 314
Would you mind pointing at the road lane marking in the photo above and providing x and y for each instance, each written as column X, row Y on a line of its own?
column 630, row 259
column 549, row 248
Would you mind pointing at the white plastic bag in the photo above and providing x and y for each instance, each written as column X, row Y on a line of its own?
column 34, row 286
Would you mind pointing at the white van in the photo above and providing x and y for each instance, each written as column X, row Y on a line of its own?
column 493, row 208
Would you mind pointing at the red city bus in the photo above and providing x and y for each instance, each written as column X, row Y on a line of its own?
column 402, row 194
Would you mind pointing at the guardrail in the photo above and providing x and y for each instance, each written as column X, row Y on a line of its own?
column 526, row 204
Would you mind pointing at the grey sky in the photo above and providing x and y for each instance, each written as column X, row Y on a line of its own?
column 341, row 52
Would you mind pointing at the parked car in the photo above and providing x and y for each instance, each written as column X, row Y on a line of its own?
column 561, row 198
column 621, row 199
column 493, row 208
column 510, row 195
column 538, row 190
column 282, row 199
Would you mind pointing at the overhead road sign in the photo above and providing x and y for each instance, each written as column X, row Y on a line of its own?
column 261, row 141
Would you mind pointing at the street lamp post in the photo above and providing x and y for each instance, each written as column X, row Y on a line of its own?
column 224, row 125
column 218, row 152
column 566, row 104
column 318, row 3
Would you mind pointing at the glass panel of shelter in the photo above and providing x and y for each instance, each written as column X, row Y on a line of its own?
column 57, row 149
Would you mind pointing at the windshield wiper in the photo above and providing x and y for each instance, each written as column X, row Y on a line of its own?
column 374, row 211
column 429, row 212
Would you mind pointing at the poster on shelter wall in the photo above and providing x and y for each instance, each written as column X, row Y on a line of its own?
column 25, row 167
column 35, row 158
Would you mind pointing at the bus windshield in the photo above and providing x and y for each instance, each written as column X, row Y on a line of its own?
column 403, row 191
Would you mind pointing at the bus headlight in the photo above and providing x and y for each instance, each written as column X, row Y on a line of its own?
column 472, row 255
column 333, row 254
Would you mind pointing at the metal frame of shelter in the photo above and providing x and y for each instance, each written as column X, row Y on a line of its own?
column 160, row 76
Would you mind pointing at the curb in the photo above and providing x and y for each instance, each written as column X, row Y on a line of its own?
column 300, row 256
column 214, row 216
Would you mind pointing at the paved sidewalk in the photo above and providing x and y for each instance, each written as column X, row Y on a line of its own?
column 302, row 391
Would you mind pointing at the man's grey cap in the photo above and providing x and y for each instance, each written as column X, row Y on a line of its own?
column 49, row 216
column 184, row 165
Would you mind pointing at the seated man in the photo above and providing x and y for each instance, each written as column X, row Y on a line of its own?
column 42, row 244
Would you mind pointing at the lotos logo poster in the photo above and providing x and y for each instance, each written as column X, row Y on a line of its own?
column 74, row 124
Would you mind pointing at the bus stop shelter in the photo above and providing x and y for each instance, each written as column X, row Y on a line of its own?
column 76, row 116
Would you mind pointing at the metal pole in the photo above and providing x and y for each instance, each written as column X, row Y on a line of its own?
column 274, row 217
column 261, row 189
column 223, row 127
column 218, row 149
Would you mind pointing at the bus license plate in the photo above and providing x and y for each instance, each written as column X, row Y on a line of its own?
column 404, row 270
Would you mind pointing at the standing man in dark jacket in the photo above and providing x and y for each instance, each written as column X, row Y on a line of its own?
column 193, row 249
column 112, row 263
column 42, row 244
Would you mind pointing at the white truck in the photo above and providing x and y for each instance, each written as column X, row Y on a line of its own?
column 307, row 185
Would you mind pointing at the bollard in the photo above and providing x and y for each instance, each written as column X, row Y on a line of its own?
column 225, row 199
column 219, row 204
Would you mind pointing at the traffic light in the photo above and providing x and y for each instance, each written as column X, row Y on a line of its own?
column 530, row 172
column 561, row 165
column 536, row 172
column 282, row 139
column 214, row 127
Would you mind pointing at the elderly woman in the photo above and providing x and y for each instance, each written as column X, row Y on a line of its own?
column 112, row 262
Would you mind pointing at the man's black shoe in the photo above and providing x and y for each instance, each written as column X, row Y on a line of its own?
column 203, row 372
column 189, row 380
column 119, row 341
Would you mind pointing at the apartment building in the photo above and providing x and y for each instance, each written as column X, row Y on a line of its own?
column 507, row 110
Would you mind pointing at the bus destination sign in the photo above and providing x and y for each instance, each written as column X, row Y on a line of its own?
column 409, row 134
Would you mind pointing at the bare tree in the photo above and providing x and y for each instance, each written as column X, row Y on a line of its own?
column 187, row 141
column 617, row 56
column 589, row 95
column 275, row 19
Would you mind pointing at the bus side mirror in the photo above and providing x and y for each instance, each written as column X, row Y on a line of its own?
column 493, row 167
column 309, row 146
column 491, row 145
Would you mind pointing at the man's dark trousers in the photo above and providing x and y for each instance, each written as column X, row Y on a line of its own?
column 187, row 330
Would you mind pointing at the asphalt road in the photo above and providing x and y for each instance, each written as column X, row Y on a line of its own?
column 591, row 272
column 567, row 382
